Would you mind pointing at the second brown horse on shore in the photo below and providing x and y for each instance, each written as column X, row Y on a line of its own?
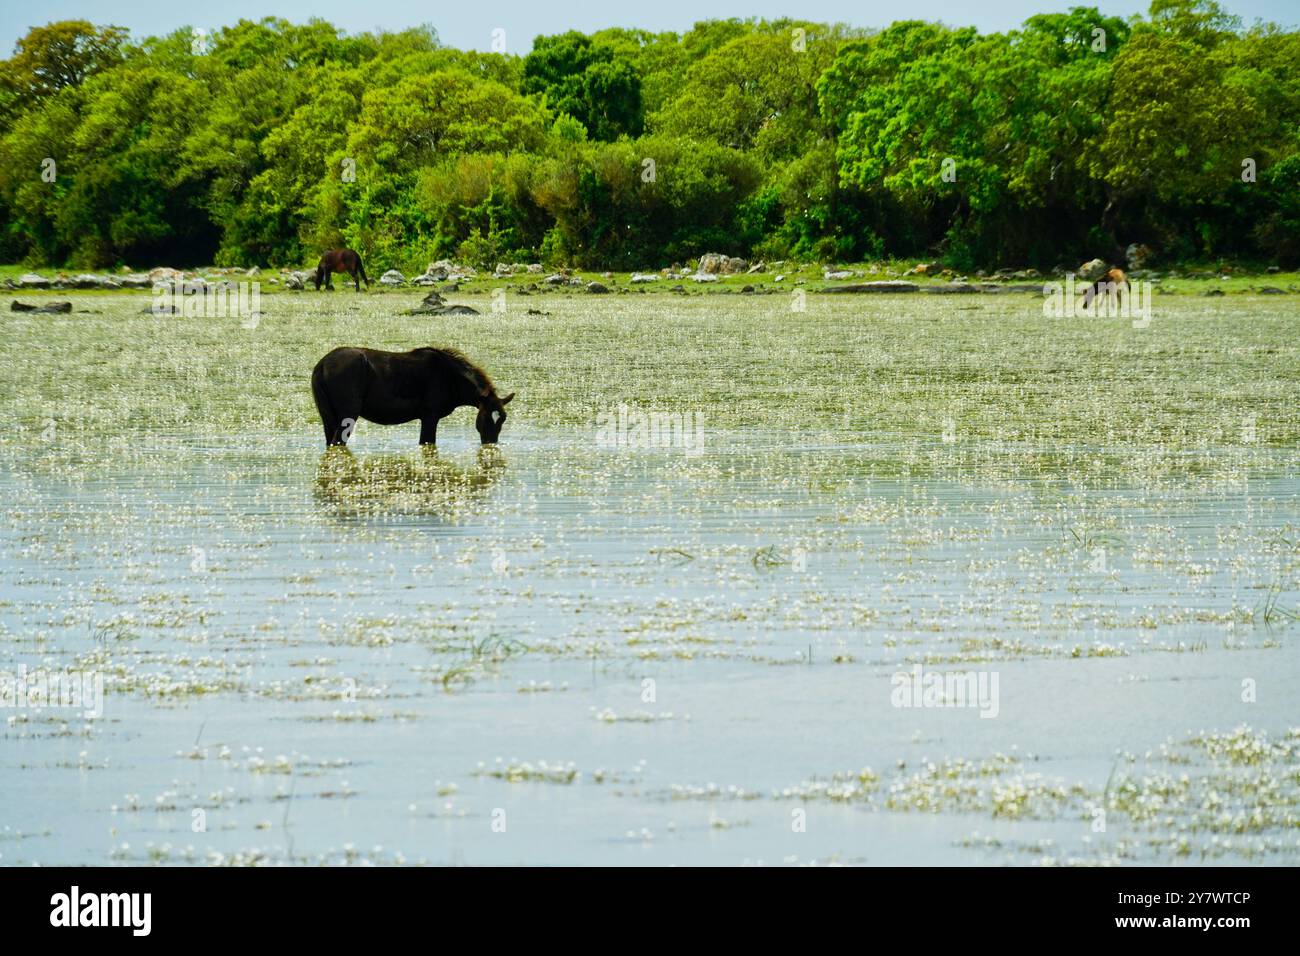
column 1109, row 287
column 340, row 260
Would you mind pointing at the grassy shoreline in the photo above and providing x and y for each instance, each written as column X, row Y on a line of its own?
column 1191, row 280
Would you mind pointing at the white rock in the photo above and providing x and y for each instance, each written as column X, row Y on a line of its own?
column 1092, row 270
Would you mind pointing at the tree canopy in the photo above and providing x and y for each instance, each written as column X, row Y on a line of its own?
column 1072, row 136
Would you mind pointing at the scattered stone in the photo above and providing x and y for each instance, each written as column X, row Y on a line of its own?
column 446, row 269
column 1092, row 270
column 597, row 288
column 949, row 288
column 882, row 285
column 50, row 308
column 639, row 278
column 704, row 277
column 179, row 285
column 1271, row 290
column 30, row 280
column 87, row 280
column 714, row 263
column 433, row 304
column 1213, row 292
column 828, row 275
column 392, row 278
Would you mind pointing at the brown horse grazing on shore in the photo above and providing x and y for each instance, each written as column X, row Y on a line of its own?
column 339, row 260
column 392, row 388
column 1108, row 286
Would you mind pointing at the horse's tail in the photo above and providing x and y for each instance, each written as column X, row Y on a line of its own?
column 328, row 416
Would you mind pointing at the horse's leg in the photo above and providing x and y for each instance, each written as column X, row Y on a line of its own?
column 428, row 431
column 346, row 405
column 356, row 277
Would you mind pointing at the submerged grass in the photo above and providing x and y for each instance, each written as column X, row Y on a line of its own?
column 882, row 481
column 949, row 393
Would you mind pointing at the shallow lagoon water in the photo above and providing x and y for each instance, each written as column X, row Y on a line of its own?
column 570, row 651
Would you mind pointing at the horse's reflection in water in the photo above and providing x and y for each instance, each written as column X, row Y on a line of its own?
column 422, row 482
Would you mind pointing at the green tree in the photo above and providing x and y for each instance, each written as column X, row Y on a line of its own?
column 55, row 57
column 588, row 81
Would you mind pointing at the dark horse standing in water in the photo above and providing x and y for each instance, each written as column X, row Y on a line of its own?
column 339, row 260
column 392, row 388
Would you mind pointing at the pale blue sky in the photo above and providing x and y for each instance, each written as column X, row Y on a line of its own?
column 470, row 25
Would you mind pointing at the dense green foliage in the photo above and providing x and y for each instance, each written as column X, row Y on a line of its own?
column 1071, row 137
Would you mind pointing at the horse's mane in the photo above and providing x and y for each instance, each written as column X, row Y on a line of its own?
column 461, row 363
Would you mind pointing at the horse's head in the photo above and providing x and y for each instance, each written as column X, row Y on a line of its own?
column 491, row 416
